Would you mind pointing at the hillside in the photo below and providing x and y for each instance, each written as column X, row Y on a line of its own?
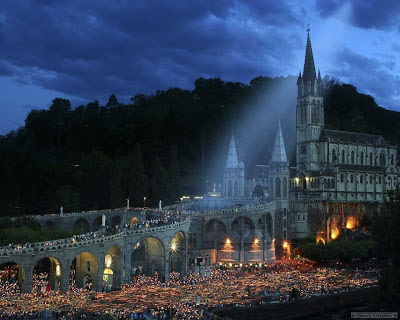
column 160, row 146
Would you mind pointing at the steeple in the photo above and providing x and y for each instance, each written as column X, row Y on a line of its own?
column 309, row 67
column 279, row 151
column 232, row 160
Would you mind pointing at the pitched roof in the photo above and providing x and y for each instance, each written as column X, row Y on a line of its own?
column 309, row 67
column 352, row 137
column 232, row 160
column 279, row 151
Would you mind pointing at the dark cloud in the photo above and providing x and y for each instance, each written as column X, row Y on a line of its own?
column 365, row 14
column 369, row 75
column 92, row 48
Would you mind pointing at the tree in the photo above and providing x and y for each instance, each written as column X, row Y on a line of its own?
column 173, row 176
column 68, row 198
column 117, row 199
column 112, row 102
column 59, row 112
column 138, row 181
column 258, row 191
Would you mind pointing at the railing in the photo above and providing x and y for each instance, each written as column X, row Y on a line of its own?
column 84, row 213
column 270, row 205
column 68, row 243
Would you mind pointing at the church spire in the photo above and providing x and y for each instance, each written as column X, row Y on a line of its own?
column 232, row 160
column 279, row 151
column 309, row 67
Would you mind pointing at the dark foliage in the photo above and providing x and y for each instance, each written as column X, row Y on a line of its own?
column 158, row 146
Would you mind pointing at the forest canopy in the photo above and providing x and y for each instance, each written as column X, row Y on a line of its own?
column 163, row 145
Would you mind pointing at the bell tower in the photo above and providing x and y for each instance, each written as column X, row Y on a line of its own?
column 309, row 113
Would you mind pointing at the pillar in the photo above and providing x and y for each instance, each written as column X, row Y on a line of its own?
column 166, row 267
column 126, row 266
column 100, row 270
column 26, row 286
column 241, row 257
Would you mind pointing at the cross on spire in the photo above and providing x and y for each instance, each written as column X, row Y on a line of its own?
column 308, row 29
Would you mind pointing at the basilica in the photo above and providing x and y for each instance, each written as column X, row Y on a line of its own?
column 338, row 176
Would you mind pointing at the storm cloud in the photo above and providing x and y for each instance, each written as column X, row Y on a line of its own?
column 86, row 50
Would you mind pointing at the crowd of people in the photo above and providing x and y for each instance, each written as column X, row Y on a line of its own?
column 160, row 219
column 184, row 297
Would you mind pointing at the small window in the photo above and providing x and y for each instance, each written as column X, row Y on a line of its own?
column 88, row 266
column 351, row 178
column 334, row 157
column 353, row 157
column 362, row 157
column 371, row 159
column 341, row 178
column 361, row 179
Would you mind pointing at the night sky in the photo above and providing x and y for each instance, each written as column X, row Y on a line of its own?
column 86, row 50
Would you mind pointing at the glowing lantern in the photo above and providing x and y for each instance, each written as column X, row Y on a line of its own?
column 108, row 260
column 334, row 233
column 58, row 270
column 350, row 223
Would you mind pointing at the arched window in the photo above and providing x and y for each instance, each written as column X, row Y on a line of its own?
column 277, row 187
column 88, row 266
column 334, row 157
column 271, row 188
column 230, row 187
column 392, row 159
column 362, row 157
column 332, row 183
column 284, row 222
column 353, row 157
column 382, row 159
column 343, row 156
column 361, row 179
column 285, row 187
column 351, row 178
column 341, row 178
column 370, row 178
column 236, row 188
column 371, row 159
column 194, row 240
column 380, row 180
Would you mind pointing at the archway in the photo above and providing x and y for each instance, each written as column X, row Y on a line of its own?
column 269, row 225
column 112, row 268
column 215, row 234
column 134, row 220
column 243, row 236
column 12, row 276
column 49, row 224
column 147, row 257
column 47, row 275
column 84, row 270
column 115, row 221
column 177, row 253
column 97, row 223
column 81, row 226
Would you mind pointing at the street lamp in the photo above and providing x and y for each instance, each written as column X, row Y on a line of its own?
column 144, row 201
